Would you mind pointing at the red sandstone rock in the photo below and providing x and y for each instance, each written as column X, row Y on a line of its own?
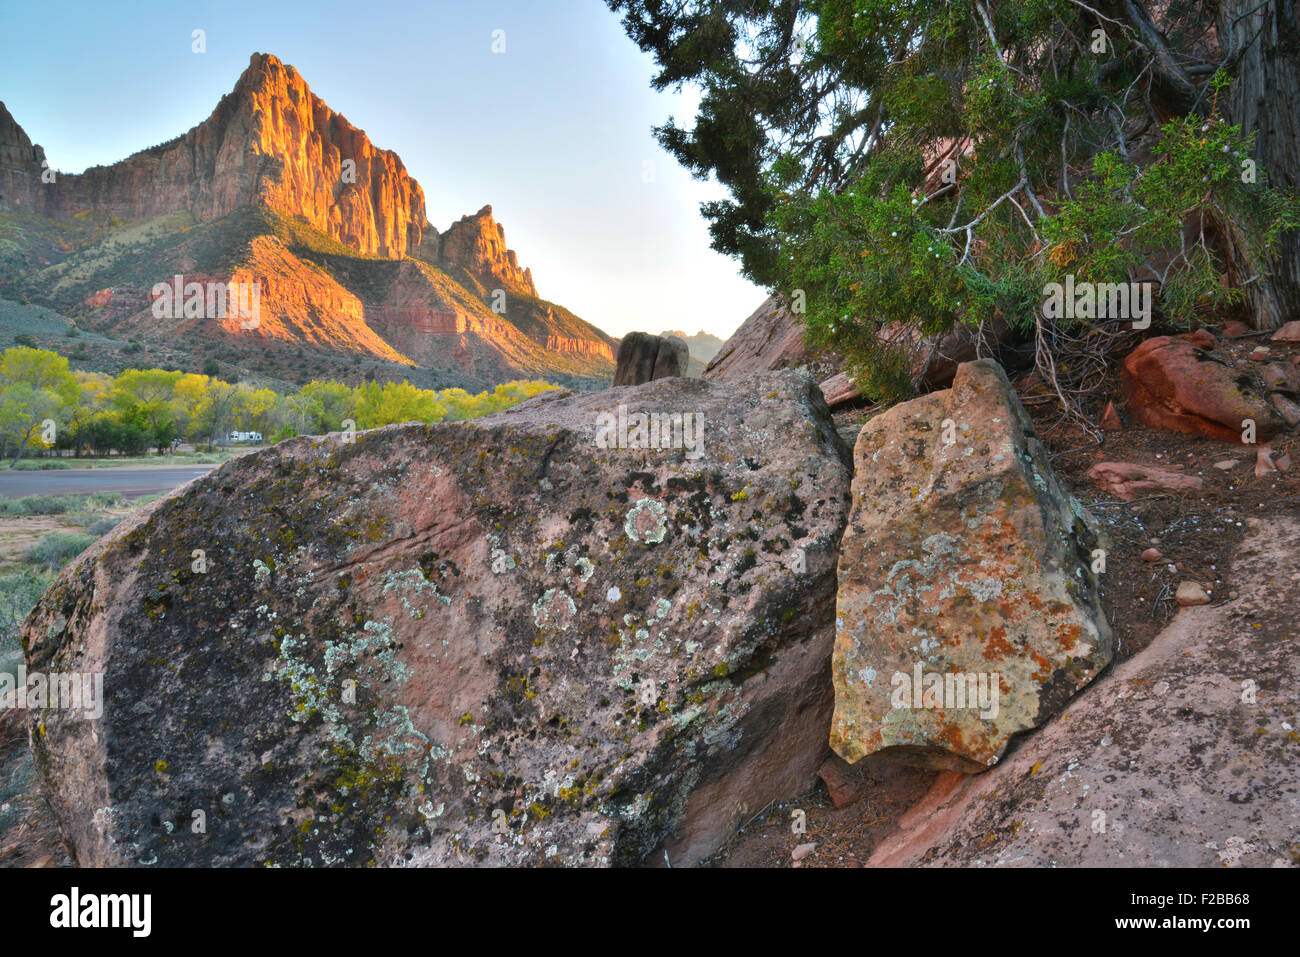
column 840, row 391
column 1110, row 420
column 771, row 338
column 1264, row 464
column 1232, row 328
column 1202, row 339
column 1281, row 377
column 887, row 785
column 1171, row 384
column 842, row 784
column 1190, row 594
column 964, row 558
column 530, row 619
column 1125, row 480
column 1289, row 332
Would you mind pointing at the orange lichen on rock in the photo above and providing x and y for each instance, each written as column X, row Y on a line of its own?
column 977, row 586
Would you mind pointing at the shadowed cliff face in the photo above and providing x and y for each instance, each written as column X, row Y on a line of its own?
column 20, row 166
column 271, row 141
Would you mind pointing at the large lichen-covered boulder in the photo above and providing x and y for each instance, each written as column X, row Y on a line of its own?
column 1181, row 756
column 548, row 636
column 967, row 609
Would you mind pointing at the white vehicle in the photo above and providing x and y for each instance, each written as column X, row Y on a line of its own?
column 254, row 437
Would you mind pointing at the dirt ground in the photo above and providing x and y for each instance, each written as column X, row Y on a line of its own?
column 20, row 532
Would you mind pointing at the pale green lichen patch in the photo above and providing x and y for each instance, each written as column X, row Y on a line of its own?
column 646, row 522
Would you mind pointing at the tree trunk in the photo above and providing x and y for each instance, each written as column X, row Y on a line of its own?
column 1262, row 100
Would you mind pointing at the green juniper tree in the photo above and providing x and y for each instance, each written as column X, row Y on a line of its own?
column 913, row 166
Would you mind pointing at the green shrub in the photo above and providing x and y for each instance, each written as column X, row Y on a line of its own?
column 56, row 549
column 103, row 526
column 59, row 504
column 19, row 592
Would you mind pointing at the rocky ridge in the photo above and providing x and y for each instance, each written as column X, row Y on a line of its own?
column 293, row 197
column 272, row 141
column 478, row 243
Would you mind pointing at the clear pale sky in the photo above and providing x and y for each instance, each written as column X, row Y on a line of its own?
column 554, row 133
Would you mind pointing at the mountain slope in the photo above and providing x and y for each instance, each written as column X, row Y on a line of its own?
column 276, row 189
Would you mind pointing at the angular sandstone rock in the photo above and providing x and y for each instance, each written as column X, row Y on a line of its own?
column 1288, row 409
column 890, row 787
column 839, row 390
column 1281, row 377
column 771, row 338
column 967, row 609
column 1288, row 332
column 498, row 642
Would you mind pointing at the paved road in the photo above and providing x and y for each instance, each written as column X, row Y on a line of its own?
column 131, row 482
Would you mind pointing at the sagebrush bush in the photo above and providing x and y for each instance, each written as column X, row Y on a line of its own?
column 59, row 504
column 19, row 592
column 103, row 525
column 56, row 549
